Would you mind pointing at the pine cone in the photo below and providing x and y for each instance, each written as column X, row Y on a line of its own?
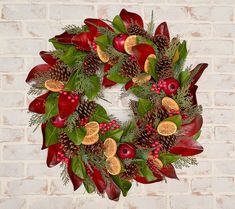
column 161, row 113
column 164, row 68
column 130, row 68
column 131, row 171
column 161, row 41
column 91, row 64
column 60, row 72
column 144, row 140
column 167, row 141
column 137, row 30
column 86, row 109
column 69, row 148
column 150, row 117
column 95, row 149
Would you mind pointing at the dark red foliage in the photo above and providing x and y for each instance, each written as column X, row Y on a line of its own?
column 64, row 38
column 48, row 58
column 38, row 104
column 129, row 84
column 52, row 155
column 199, row 69
column 106, row 82
column 193, row 91
column 162, row 29
column 131, row 18
column 43, row 129
column 76, row 181
column 113, row 190
column 83, row 41
column 169, row 171
column 58, row 122
column 143, row 180
column 193, row 127
column 98, row 180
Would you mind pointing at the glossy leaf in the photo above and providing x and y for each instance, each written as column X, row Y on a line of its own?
column 115, row 134
column 196, row 73
column 193, row 127
column 168, row 158
column 115, row 76
column 94, row 87
column 38, row 104
column 131, row 18
column 64, row 38
column 177, row 119
column 169, row 171
column 51, row 134
column 78, row 167
column 52, row 154
column 152, row 70
column 89, row 185
column 124, row 185
column 145, row 171
column 183, row 78
column 162, row 29
column 112, row 190
column 83, row 41
column 100, row 115
column 48, row 58
column 118, row 24
column 103, row 41
column 144, row 105
column 77, row 135
column 51, row 105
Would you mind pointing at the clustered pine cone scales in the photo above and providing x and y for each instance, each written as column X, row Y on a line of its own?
column 86, row 109
column 144, row 140
column 131, row 171
column 60, row 72
column 161, row 41
column 164, row 68
column 130, row 68
column 95, row 149
column 137, row 30
column 167, row 141
column 91, row 64
column 157, row 113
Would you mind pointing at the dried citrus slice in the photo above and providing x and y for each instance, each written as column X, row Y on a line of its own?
column 147, row 62
column 54, row 85
column 170, row 104
column 129, row 43
column 92, row 128
column 89, row 140
column 166, row 128
column 113, row 165
column 158, row 163
column 102, row 55
column 141, row 79
column 110, row 147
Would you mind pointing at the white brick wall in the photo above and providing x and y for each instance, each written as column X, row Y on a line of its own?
column 209, row 27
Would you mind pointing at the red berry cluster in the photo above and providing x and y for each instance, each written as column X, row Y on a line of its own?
column 112, row 125
column 89, row 171
column 94, row 45
column 174, row 112
column 158, row 87
column 150, row 130
column 61, row 157
column 83, row 121
column 184, row 116
column 153, row 167
column 156, row 149
column 70, row 96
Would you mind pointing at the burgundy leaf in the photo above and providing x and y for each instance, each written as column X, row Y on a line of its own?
column 83, row 41
column 131, row 18
column 43, row 129
column 52, row 155
column 169, row 171
column 193, row 127
column 64, row 38
column 98, row 180
column 113, row 190
column 192, row 91
column 143, row 180
column 38, row 104
column 48, row 58
column 129, row 84
column 141, row 52
column 106, row 82
column 162, row 29
column 197, row 72
column 186, row 146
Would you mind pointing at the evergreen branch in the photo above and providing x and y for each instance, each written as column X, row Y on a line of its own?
column 170, row 52
column 191, row 112
column 37, row 119
column 71, row 121
column 185, row 162
column 57, row 54
column 64, row 174
column 151, row 25
column 183, row 99
column 35, row 91
column 73, row 29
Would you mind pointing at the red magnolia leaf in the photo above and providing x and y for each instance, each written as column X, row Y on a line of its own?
column 192, row 91
column 129, row 84
column 64, row 38
column 131, row 18
column 43, row 129
column 169, row 171
column 106, row 82
column 198, row 70
column 76, row 181
column 83, row 41
column 186, row 146
column 52, row 155
column 113, row 190
column 193, row 127
column 162, row 29
column 141, row 52
column 37, row 69
column 38, row 104
column 143, row 180
column 98, row 180
column 48, row 58
column 92, row 23
column 67, row 103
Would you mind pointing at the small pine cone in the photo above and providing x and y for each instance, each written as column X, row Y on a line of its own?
column 131, row 171
column 167, row 142
column 161, row 113
column 130, row 68
column 95, row 149
column 86, row 109
column 60, row 72
column 91, row 64
column 69, row 148
column 133, row 106
column 164, row 68
column 137, row 30
column 161, row 41
column 150, row 117
column 144, row 140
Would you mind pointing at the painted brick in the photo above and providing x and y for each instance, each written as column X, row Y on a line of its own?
column 225, row 201
column 11, row 99
column 224, row 30
column 10, row 29
column 15, row 203
column 15, row 117
column 41, row 170
column 11, row 134
column 225, row 167
column 224, row 133
column 229, row 101
column 224, row 65
column 11, row 169
column 11, row 64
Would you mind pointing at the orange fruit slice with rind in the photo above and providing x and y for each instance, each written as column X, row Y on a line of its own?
column 158, row 163
column 147, row 62
column 166, row 128
column 92, row 128
column 89, row 140
column 54, row 85
column 170, row 104
column 129, row 43
column 141, row 79
column 113, row 165
column 110, row 147
column 102, row 55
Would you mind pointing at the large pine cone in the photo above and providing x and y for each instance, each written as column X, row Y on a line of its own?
column 161, row 41
column 164, row 68
column 130, row 68
column 91, row 64
column 144, row 140
column 86, row 109
column 60, row 72
column 137, row 30
column 167, row 142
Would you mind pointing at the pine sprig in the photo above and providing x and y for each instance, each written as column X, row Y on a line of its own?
column 57, row 54
column 170, row 52
column 185, row 162
column 71, row 121
column 73, row 29
column 151, row 25
column 35, row 91
column 37, row 119
column 183, row 99
column 64, row 174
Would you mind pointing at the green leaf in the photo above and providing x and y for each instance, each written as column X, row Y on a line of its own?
column 114, row 75
column 182, row 52
column 152, row 70
column 100, row 115
column 71, row 85
column 131, row 126
column 118, row 24
column 58, row 45
column 89, row 185
column 103, row 41
column 168, row 158
column 142, row 153
column 78, row 167
column 77, row 135
column 183, row 78
column 94, row 87
column 144, row 105
column 177, row 119
column 145, row 171
column 51, row 105
column 197, row 135
column 51, row 134
column 138, row 91
column 115, row 134
column 124, row 185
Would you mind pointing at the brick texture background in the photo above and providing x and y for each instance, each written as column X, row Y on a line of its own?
column 209, row 27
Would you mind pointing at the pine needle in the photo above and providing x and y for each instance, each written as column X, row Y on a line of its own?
column 151, row 25
column 185, row 162
column 64, row 174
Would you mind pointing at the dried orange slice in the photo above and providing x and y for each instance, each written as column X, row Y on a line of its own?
column 129, row 43
column 92, row 128
column 89, row 140
column 158, row 163
column 170, row 104
column 54, row 85
column 141, row 79
column 102, row 55
column 110, row 147
column 166, row 128
column 147, row 62
column 113, row 165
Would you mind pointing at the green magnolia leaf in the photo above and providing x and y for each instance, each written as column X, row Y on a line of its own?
column 182, row 52
column 115, row 134
column 100, row 115
column 145, row 171
column 144, row 105
column 152, row 70
column 114, row 75
column 142, row 153
column 51, row 134
column 197, row 135
column 71, row 85
column 94, row 87
column 77, row 135
column 78, row 167
column 58, row 45
column 103, row 41
column 183, row 78
column 168, row 158
column 124, row 185
column 89, row 185
column 177, row 119
column 118, row 24
column 51, row 105
column 138, row 91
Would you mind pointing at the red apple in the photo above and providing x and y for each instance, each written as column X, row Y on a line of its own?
column 118, row 42
column 58, row 122
column 126, row 151
column 171, row 86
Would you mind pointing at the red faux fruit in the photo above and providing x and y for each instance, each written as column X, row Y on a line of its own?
column 126, row 151
column 118, row 42
column 58, row 122
column 171, row 86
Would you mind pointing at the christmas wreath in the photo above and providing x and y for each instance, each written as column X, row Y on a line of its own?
column 94, row 148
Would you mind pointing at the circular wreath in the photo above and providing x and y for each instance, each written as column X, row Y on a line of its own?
column 93, row 147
